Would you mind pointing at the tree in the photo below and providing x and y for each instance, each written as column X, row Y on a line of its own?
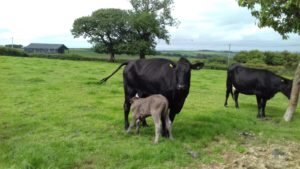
column 149, row 20
column 284, row 17
column 281, row 15
column 105, row 28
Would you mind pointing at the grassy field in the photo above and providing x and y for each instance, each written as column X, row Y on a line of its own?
column 54, row 115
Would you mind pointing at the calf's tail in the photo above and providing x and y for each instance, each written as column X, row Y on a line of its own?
column 106, row 78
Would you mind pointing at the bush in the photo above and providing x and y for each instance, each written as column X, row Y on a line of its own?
column 269, row 58
column 220, row 60
column 14, row 46
column 12, row 52
column 272, row 58
column 275, row 69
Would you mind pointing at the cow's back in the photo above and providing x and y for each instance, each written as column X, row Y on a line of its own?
column 150, row 76
column 253, row 81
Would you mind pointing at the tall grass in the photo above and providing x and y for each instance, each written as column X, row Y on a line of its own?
column 53, row 114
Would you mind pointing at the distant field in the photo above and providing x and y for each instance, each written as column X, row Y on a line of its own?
column 199, row 53
column 192, row 53
column 54, row 115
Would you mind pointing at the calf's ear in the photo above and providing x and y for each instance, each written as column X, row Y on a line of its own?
column 197, row 66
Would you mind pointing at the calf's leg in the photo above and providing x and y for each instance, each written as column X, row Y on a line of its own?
column 157, row 122
column 138, row 123
column 169, row 127
column 132, row 123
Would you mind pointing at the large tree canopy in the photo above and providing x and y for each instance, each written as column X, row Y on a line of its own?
column 105, row 28
column 149, row 20
column 282, row 15
column 136, row 31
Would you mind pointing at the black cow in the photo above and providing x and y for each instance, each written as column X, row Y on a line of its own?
column 262, row 83
column 157, row 76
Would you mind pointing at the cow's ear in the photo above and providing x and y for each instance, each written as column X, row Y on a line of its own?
column 197, row 66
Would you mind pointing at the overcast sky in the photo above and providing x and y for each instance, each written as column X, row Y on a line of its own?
column 212, row 24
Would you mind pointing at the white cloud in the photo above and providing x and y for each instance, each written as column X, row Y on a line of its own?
column 32, row 20
column 203, row 23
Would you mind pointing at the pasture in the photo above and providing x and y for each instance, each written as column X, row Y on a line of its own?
column 53, row 114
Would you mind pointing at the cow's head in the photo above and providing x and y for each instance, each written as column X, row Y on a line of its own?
column 286, row 87
column 183, row 73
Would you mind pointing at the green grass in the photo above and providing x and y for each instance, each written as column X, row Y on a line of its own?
column 54, row 115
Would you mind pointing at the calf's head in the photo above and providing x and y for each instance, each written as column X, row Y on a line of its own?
column 183, row 73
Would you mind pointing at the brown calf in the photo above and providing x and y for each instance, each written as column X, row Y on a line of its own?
column 156, row 106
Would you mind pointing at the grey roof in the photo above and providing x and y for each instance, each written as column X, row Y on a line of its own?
column 45, row 46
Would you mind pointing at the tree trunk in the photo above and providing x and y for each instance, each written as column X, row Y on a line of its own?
column 294, row 96
column 112, row 57
column 142, row 54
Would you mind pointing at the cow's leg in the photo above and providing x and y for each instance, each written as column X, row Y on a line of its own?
column 144, row 123
column 259, row 106
column 264, row 102
column 226, row 97
column 228, row 90
column 164, row 132
column 126, row 113
column 129, row 93
column 236, row 97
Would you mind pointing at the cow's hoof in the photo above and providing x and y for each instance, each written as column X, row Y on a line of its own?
column 145, row 125
column 165, row 134
column 260, row 117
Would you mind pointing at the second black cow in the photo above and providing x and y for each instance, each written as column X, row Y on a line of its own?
column 262, row 83
column 146, row 77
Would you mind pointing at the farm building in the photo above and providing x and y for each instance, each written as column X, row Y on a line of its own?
column 45, row 48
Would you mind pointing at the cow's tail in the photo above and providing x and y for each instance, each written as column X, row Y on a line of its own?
column 106, row 78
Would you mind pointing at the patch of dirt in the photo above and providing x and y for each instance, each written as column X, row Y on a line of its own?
column 272, row 156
